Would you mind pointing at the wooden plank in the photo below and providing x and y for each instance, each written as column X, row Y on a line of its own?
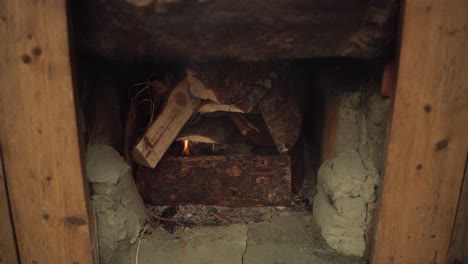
column 8, row 252
column 458, row 252
column 39, row 135
column 242, row 180
column 179, row 108
column 389, row 79
column 330, row 126
column 427, row 144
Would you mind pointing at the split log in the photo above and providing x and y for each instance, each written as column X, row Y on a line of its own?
column 282, row 112
column 248, row 87
column 240, row 85
column 209, row 130
column 242, row 124
column 198, row 89
column 253, row 128
column 243, row 180
column 214, row 107
column 175, row 114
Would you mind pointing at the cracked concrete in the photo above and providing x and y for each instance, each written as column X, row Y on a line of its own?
column 206, row 245
column 246, row 245
column 291, row 238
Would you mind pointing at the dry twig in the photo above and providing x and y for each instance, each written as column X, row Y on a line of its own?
column 221, row 217
column 159, row 217
column 139, row 242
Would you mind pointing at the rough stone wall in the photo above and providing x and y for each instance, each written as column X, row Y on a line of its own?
column 118, row 205
column 347, row 183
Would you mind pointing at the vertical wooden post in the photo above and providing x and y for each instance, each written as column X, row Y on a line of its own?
column 428, row 138
column 8, row 252
column 458, row 251
column 39, row 135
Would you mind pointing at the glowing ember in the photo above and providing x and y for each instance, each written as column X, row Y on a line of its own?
column 186, row 150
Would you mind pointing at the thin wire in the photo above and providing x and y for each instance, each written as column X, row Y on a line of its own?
column 139, row 242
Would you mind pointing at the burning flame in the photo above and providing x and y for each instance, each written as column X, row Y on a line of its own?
column 186, row 150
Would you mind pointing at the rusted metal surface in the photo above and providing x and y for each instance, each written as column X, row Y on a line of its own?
column 244, row 180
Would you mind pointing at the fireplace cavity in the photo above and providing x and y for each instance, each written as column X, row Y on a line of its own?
column 234, row 147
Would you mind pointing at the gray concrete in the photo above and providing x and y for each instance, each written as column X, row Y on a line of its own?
column 289, row 238
column 119, row 208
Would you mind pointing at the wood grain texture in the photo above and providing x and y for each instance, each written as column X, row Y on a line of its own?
column 255, row 30
column 208, row 130
column 389, row 79
column 239, row 85
column 330, row 126
column 283, row 113
column 39, row 135
column 458, row 252
column 428, row 142
column 179, row 108
column 214, row 107
column 238, row 180
column 8, row 252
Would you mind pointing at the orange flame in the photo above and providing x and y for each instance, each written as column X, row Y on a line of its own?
column 186, row 150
